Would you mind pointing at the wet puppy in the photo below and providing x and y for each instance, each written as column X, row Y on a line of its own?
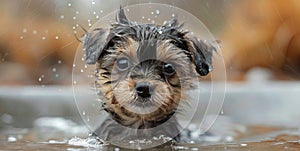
column 142, row 71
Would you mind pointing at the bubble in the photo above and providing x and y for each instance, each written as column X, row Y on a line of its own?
column 53, row 69
column 62, row 17
column 82, row 75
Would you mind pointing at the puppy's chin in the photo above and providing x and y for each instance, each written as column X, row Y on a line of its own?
column 142, row 106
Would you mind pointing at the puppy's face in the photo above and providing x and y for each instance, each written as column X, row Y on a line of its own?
column 142, row 69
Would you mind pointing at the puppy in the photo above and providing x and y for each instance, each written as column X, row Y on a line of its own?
column 142, row 71
column 262, row 33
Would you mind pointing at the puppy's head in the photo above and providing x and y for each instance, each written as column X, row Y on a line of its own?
column 142, row 69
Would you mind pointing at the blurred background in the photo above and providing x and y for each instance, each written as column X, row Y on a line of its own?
column 260, row 44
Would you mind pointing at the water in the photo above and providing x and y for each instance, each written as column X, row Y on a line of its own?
column 258, row 138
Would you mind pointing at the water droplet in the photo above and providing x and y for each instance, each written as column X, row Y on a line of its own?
column 43, row 37
column 34, row 32
column 173, row 15
column 85, row 66
column 81, row 70
column 74, row 65
column 21, row 37
column 152, row 13
column 59, row 61
column 69, row 4
column 75, row 32
column 24, row 30
column 160, row 32
column 11, row 139
column 244, row 145
column 56, row 75
column 83, row 113
column 101, row 11
column 74, row 82
column 43, row 76
column 62, row 17
column 94, row 13
column 157, row 12
column 117, row 149
column 127, row 9
column 73, row 27
column 56, row 37
column 40, row 79
column 74, row 17
column 153, row 22
column 97, row 16
column 148, row 19
column 143, row 17
column 82, row 59
column 93, row 2
column 90, row 24
column 53, row 69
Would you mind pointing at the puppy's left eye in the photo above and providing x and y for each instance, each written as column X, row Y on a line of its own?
column 122, row 64
column 169, row 69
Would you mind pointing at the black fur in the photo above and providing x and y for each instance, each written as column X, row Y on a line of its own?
column 98, row 40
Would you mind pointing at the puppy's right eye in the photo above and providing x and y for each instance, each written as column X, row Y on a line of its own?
column 122, row 64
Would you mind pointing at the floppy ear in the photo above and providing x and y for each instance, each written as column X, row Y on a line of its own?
column 95, row 42
column 203, row 52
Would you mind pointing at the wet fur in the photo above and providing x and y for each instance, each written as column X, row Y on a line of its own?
column 148, row 47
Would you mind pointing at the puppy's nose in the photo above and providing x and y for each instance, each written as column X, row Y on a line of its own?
column 144, row 89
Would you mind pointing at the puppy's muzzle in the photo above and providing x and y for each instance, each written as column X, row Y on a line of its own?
column 144, row 89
